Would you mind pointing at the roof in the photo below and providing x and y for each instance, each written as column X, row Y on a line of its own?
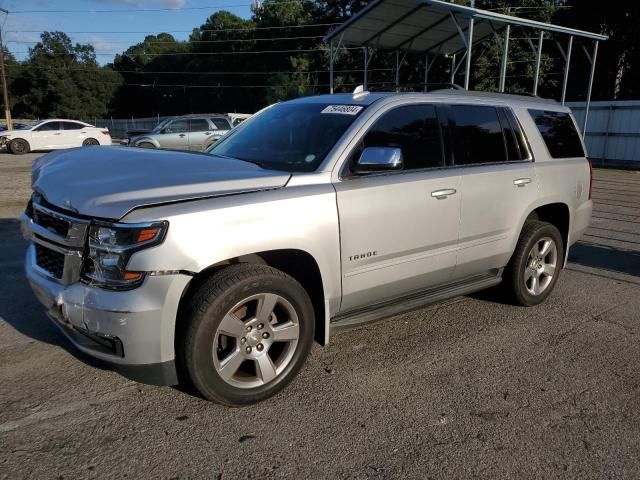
column 371, row 97
column 428, row 26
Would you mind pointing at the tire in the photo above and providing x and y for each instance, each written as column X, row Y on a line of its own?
column 19, row 146
column 536, row 263
column 89, row 142
column 234, row 355
column 146, row 145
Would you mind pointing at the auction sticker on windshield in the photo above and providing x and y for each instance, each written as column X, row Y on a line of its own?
column 342, row 109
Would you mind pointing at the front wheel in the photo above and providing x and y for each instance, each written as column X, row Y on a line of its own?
column 19, row 146
column 250, row 329
column 536, row 263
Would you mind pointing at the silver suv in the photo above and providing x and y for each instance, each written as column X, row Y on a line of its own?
column 317, row 213
column 189, row 132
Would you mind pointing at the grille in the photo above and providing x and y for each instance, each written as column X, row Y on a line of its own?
column 54, row 224
column 50, row 260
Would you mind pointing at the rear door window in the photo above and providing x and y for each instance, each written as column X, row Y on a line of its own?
column 477, row 135
column 414, row 129
column 199, row 125
column 221, row 123
column 72, row 125
column 559, row 133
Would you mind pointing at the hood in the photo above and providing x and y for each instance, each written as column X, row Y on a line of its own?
column 11, row 133
column 109, row 182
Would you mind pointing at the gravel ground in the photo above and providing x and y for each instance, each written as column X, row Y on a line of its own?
column 470, row 388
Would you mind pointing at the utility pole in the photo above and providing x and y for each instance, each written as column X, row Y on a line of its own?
column 5, row 93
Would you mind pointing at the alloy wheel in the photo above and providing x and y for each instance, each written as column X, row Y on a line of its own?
column 541, row 266
column 256, row 340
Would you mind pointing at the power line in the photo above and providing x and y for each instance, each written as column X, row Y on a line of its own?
column 281, row 27
column 129, row 10
column 194, row 41
column 203, row 73
column 257, row 52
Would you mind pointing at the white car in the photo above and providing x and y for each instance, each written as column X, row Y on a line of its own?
column 54, row 134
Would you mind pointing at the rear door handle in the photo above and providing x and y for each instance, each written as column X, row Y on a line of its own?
column 182, row 135
column 521, row 182
column 444, row 193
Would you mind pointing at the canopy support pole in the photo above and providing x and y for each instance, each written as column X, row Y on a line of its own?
column 592, row 60
column 505, row 53
column 538, row 59
column 367, row 59
column 331, row 67
column 333, row 53
column 467, row 72
column 427, row 67
column 567, row 60
column 453, row 68
column 397, row 69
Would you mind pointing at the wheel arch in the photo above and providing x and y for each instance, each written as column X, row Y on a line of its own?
column 150, row 140
column 557, row 214
column 299, row 264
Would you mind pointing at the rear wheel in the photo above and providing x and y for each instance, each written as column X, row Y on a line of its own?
column 536, row 263
column 250, row 329
column 90, row 141
column 19, row 146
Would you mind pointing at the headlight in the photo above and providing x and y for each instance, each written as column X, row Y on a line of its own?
column 110, row 245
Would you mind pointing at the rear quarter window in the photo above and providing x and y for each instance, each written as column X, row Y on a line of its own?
column 559, row 133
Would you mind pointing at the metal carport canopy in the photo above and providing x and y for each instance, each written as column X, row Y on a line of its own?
column 428, row 26
column 436, row 27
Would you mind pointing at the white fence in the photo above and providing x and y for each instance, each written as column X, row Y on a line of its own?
column 613, row 131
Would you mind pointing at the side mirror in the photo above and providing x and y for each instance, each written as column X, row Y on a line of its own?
column 379, row 159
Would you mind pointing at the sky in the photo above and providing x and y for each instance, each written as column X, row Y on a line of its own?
column 97, row 21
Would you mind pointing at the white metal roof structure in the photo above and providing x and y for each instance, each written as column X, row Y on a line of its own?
column 436, row 27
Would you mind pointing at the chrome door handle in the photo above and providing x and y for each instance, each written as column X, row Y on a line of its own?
column 444, row 193
column 521, row 182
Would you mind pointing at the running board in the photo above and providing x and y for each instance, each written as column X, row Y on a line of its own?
column 416, row 300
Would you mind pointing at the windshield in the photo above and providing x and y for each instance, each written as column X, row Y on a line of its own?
column 29, row 125
column 295, row 137
column 161, row 125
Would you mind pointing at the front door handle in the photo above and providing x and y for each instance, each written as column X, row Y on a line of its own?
column 521, row 182
column 444, row 193
column 182, row 135
column 207, row 133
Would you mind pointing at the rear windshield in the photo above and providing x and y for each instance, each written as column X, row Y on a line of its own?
column 294, row 137
column 559, row 133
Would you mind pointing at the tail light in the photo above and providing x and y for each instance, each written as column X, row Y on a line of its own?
column 105, row 132
column 590, row 178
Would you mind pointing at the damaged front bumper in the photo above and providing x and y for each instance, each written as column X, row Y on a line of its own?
column 132, row 331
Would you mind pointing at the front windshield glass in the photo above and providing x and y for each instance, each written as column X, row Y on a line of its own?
column 30, row 125
column 295, row 137
column 160, row 126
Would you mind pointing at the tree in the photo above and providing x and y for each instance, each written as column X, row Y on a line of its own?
column 60, row 79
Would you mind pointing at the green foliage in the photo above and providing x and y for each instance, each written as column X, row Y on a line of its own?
column 60, row 79
column 241, row 65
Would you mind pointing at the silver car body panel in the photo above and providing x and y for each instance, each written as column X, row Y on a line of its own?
column 374, row 238
column 145, row 178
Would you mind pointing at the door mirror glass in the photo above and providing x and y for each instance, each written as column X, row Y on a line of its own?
column 379, row 159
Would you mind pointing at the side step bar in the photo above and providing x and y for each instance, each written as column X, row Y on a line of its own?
column 416, row 300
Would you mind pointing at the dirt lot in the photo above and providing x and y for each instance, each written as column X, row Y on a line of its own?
column 471, row 388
